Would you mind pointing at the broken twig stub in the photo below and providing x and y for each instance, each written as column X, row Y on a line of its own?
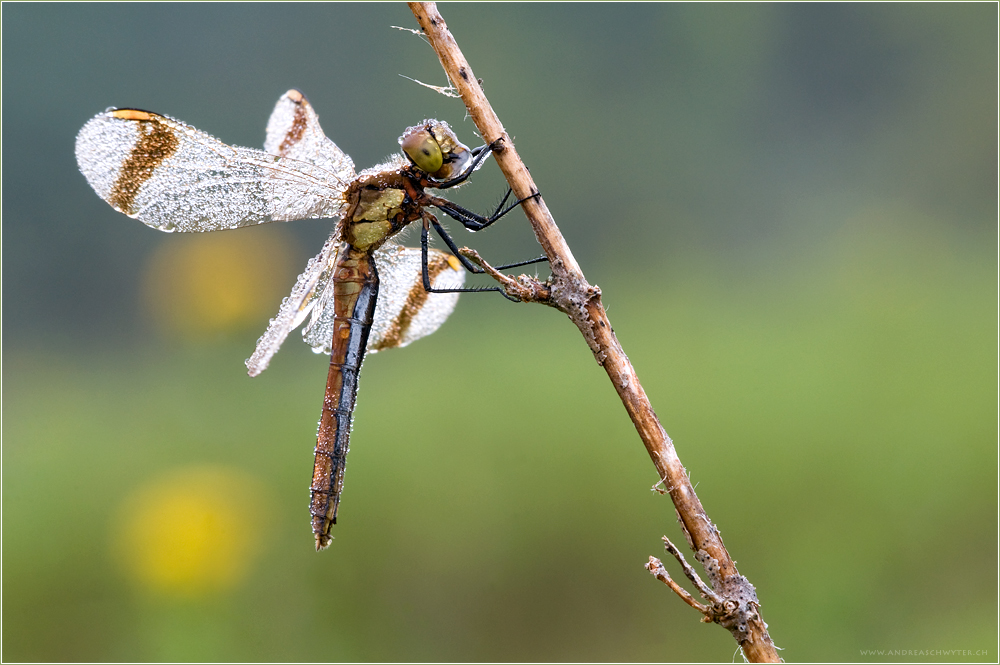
column 732, row 600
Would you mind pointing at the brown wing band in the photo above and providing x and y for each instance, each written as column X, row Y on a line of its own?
column 415, row 300
column 156, row 142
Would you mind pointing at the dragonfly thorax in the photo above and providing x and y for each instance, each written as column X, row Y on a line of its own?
column 382, row 200
column 378, row 207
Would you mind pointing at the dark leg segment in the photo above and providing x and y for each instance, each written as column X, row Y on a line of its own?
column 470, row 220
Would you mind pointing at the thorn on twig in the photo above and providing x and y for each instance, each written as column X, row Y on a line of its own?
column 418, row 33
column 661, row 490
column 446, row 90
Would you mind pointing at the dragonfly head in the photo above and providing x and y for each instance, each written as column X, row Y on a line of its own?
column 434, row 149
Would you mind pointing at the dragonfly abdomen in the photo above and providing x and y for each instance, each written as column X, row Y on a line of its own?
column 356, row 292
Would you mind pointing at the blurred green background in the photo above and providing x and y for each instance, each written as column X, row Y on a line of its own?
column 791, row 210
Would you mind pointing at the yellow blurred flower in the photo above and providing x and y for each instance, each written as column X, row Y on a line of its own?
column 191, row 533
column 197, row 285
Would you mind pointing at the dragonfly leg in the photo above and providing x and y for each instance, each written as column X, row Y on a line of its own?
column 466, row 263
column 424, row 233
column 503, row 201
column 518, row 264
column 471, row 220
column 471, row 267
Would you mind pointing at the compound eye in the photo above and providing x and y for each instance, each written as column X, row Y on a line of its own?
column 423, row 149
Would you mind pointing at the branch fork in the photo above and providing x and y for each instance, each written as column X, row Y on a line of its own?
column 524, row 288
column 734, row 609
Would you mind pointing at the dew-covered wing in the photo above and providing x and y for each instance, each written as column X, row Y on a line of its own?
column 310, row 286
column 405, row 311
column 293, row 131
column 173, row 177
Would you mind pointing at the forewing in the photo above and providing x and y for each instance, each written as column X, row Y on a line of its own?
column 173, row 177
column 294, row 309
column 294, row 132
column 404, row 312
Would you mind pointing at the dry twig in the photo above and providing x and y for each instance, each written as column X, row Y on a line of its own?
column 568, row 291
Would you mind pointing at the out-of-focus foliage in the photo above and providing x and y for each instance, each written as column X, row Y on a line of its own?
column 791, row 210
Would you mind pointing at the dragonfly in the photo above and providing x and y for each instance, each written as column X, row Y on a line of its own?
column 362, row 292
